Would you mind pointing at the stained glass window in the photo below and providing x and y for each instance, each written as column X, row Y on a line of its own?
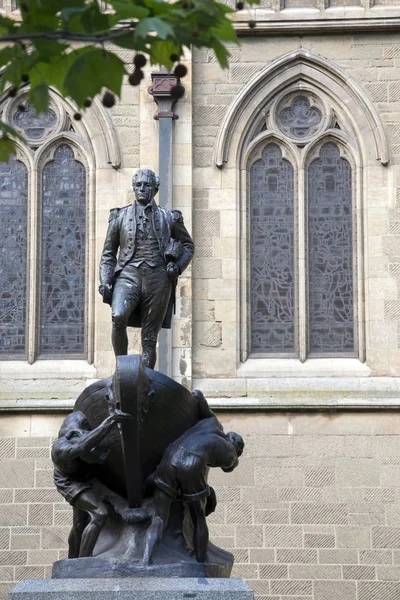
column 330, row 234
column 13, row 257
column 62, row 329
column 272, row 253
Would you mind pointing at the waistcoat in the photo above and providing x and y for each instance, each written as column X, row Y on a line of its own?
column 148, row 250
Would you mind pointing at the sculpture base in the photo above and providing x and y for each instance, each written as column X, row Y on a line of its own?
column 132, row 589
column 95, row 568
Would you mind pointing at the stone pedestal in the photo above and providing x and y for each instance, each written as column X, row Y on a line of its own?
column 132, row 589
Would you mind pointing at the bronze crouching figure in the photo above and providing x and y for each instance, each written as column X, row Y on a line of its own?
column 182, row 475
column 75, row 452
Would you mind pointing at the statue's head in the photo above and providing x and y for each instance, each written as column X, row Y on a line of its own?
column 237, row 441
column 74, row 424
column 145, row 185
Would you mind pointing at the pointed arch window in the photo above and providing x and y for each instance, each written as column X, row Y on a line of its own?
column 302, row 234
column 43, row 260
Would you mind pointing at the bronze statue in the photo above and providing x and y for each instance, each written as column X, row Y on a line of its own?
column 146, row 249
column 74, row 454
column 139, row 490
column 182, row 475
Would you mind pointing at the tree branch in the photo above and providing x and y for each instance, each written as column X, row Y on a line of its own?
column 69, row 36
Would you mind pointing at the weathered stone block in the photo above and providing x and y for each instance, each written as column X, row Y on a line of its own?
column 377, row 590
column 340, row 590
column 289, row 555
column 283, row 536
column 319, row 513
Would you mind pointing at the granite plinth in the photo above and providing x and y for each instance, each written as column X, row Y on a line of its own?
column 109, row 567
column 132, row 589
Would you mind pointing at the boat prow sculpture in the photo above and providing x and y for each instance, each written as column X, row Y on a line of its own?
column 133, row 460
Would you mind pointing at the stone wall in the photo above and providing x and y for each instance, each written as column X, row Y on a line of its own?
column 372, row 64
column 312, row 512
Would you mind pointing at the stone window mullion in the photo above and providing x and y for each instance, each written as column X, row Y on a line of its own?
column 302, row 265
column 33, row 266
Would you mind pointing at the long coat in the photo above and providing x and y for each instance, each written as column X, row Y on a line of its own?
column 119, row 246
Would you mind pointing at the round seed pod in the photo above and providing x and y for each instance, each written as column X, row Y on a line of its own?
column 139, row 61
column 180, row 71
column 108, row 100
column 136, row 77
column 177, row 91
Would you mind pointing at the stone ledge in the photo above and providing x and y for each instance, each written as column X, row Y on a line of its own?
column 234, row 404
column 271, row 24
column 287, row 405
column 32, row 406
column 46, row 369
column 312, row 367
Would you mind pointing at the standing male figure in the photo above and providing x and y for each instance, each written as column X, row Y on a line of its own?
column 146, row 249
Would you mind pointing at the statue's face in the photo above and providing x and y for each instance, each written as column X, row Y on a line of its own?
column 144, row 188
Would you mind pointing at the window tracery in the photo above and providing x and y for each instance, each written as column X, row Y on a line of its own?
column 46, row 318
column 300, row 120
column 35, row 127
column 319, row 224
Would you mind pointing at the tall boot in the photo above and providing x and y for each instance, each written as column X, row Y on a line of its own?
column 149, row 356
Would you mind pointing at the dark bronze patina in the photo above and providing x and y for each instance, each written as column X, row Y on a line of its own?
column 146, row 249
column 133, row 460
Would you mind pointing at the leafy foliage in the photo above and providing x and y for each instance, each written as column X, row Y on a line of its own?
column 66, row 44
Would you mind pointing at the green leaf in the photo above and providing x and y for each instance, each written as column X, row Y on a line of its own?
column 39, row 96
column 125, row 9
column 90, row 72
column 6, row 55
column 221, row 53
column 7, row 148
column 52, row 72
column 93, row 20
column 48, row 49
column 154, row 24
column 71, row 11
column 225, row 31
column 18, row 65
column 52, row 6
column 128, row 41
column 161, row 51
column 11, row 131
column 6, row 23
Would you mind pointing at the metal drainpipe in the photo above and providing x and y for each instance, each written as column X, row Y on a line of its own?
column 162, row 82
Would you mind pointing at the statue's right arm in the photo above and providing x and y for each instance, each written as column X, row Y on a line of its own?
column 225, row 455
column 79, row 443
column 110, row 250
